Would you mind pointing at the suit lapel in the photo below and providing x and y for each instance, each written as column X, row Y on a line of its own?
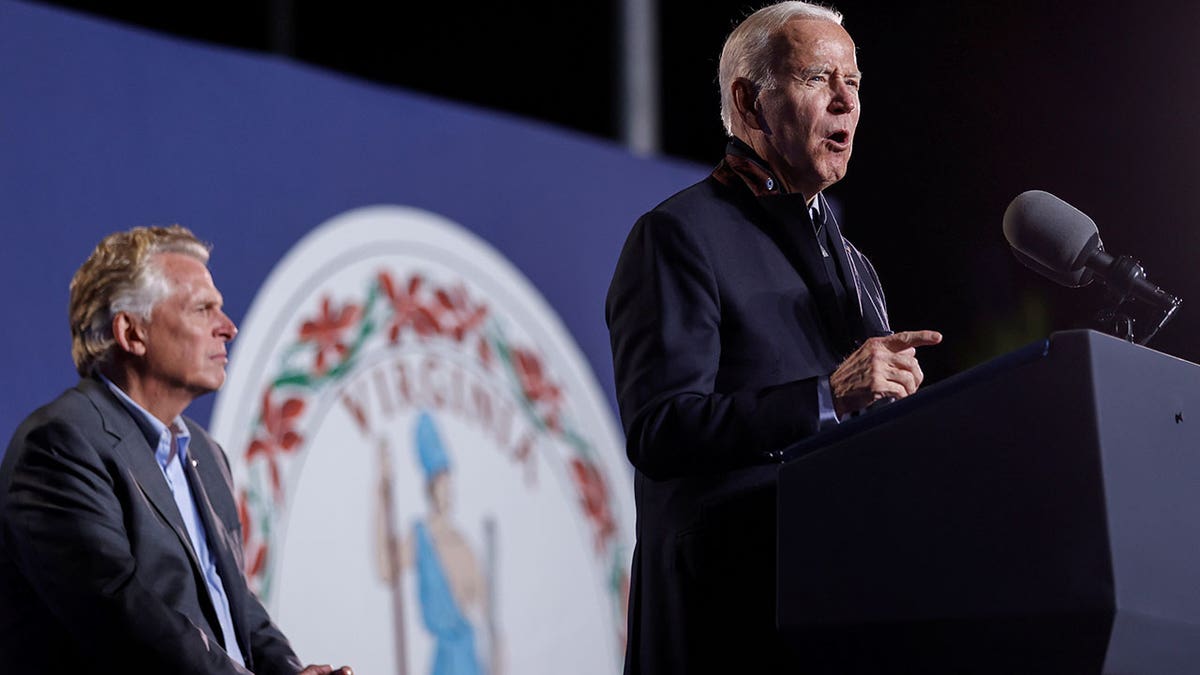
column 862, row 316
column 846, row 322
column 792, row 231
column 138, row 458
column 202, row 471
column 139, row 463
column 853, row 307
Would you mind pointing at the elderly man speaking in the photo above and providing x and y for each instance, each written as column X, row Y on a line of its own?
column 742, row 321
column 120, row 548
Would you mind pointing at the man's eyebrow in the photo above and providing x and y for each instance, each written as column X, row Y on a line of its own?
column 825, row 69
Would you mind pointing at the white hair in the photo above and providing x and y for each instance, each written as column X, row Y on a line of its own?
column 747, row 52
column 123, row 274
column 150, row 287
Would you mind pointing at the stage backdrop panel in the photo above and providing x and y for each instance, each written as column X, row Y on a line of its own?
column 419, row 409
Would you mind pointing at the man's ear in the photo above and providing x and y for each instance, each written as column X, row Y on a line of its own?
column 746, row 107
column 129, row 334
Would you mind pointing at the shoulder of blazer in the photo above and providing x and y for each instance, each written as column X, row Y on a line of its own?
column 111, row 414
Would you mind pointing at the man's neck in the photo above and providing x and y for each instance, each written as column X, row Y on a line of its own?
column 155, row 399
column 758, row 175
column 785, row 184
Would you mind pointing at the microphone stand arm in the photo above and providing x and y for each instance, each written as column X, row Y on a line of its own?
column 1122, row 276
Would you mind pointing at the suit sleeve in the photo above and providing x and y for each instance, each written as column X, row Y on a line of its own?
column 64, row 529
column 664, row 318
column 273, row 653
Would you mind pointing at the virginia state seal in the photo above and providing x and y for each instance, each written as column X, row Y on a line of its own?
column 429, row 478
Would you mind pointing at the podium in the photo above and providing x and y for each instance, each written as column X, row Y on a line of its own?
column 1037, row 514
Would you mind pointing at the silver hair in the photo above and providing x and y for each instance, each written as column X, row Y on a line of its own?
column 747, row 52
column 123, row 274
column 150, row 287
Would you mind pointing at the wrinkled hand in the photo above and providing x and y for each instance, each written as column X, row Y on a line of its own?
column 881, row 367
column 326, row 670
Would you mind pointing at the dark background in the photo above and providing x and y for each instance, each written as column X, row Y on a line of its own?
column 965, row 106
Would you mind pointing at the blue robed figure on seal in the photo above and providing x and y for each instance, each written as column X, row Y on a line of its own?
column 453, row 589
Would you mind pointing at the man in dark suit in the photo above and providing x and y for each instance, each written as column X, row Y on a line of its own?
column 120, row 546
column 742, row 321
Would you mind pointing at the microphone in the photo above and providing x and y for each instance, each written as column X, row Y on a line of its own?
column 1060, row 242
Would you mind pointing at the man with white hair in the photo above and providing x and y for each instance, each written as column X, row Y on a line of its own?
column 120, row 546
column 742, row 321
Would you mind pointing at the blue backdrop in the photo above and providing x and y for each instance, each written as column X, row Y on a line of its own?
column 103, row 127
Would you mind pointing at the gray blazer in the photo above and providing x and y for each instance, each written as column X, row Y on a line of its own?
column 96, row 568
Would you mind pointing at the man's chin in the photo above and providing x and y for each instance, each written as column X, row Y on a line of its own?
column 833, row 172
column 209, row 386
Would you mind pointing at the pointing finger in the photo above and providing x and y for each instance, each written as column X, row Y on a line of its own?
column 912, row 338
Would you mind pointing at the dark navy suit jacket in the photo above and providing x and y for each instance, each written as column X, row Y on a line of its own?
column 97, row 573
column 725, row 326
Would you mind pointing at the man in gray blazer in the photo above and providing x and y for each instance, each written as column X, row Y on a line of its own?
column 120, row 545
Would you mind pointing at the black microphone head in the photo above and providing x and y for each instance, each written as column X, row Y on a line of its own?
column 1051, row 237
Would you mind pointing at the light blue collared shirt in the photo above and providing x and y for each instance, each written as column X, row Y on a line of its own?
column 171, row 458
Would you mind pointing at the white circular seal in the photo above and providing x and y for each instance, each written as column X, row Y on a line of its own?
column 429, row 478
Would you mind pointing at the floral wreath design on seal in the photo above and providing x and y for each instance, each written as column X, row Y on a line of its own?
column 327, row 347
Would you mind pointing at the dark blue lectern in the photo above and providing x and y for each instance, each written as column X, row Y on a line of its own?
column 1038, row 514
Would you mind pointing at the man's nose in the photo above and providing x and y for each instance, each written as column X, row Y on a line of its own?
column 845, row 97
column 226, row 328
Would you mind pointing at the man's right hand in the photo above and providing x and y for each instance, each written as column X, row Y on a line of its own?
column 882, row 367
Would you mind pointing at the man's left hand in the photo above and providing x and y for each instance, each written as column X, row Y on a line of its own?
column 881, row 367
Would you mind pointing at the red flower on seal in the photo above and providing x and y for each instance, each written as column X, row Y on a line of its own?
column 407, row 309
column 532, row 377
column 327, row 332
column 593, row 496
column 244, row 518
column 485, row 353
column 256, row 554
column 279, row 438
column 458, row 316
